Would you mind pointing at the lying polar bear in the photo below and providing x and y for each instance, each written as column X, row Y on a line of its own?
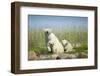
column 52, row 42
column 67, row 46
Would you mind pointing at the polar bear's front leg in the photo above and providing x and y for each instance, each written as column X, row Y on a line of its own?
column 49, row 49
column 50, row 46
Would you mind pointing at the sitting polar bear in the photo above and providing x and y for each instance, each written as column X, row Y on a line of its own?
column 67, row 46
column 52, row 42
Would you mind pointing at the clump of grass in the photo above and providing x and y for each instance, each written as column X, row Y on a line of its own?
column 39, row 50
column 82, row 48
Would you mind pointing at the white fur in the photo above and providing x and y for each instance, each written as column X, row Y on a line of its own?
column 51, row 39
column 67, row 47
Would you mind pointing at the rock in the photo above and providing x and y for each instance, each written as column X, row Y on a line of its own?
column 32, row 55
column 54, row 56
column 82, row 55
column 45, row 57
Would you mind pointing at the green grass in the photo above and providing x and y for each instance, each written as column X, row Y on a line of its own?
column 36, row 40
column 83, row 48
column 39, row 50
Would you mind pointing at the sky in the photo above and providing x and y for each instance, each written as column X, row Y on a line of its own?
column 57, row 22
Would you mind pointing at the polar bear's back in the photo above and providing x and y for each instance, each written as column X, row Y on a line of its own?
column 52, row 37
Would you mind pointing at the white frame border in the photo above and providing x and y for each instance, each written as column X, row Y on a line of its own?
column 25, row 64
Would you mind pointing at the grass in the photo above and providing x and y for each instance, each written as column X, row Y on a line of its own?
column 36, row 40
column 83, row 48
column 39, row 50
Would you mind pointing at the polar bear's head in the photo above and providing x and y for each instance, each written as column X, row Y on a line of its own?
column 47, row 31
column 64, row 42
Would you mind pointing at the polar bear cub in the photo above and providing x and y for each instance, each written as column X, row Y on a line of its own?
column 67, row 46
column 52, row 42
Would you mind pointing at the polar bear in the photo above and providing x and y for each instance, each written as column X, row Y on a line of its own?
column 67, row 46
column 52, row 42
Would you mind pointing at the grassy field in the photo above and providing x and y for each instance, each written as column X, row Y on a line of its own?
column 36, row 40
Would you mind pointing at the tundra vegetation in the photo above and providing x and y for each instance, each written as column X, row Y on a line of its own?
column 37, row 49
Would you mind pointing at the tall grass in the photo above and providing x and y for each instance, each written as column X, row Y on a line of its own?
column 36, row 39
